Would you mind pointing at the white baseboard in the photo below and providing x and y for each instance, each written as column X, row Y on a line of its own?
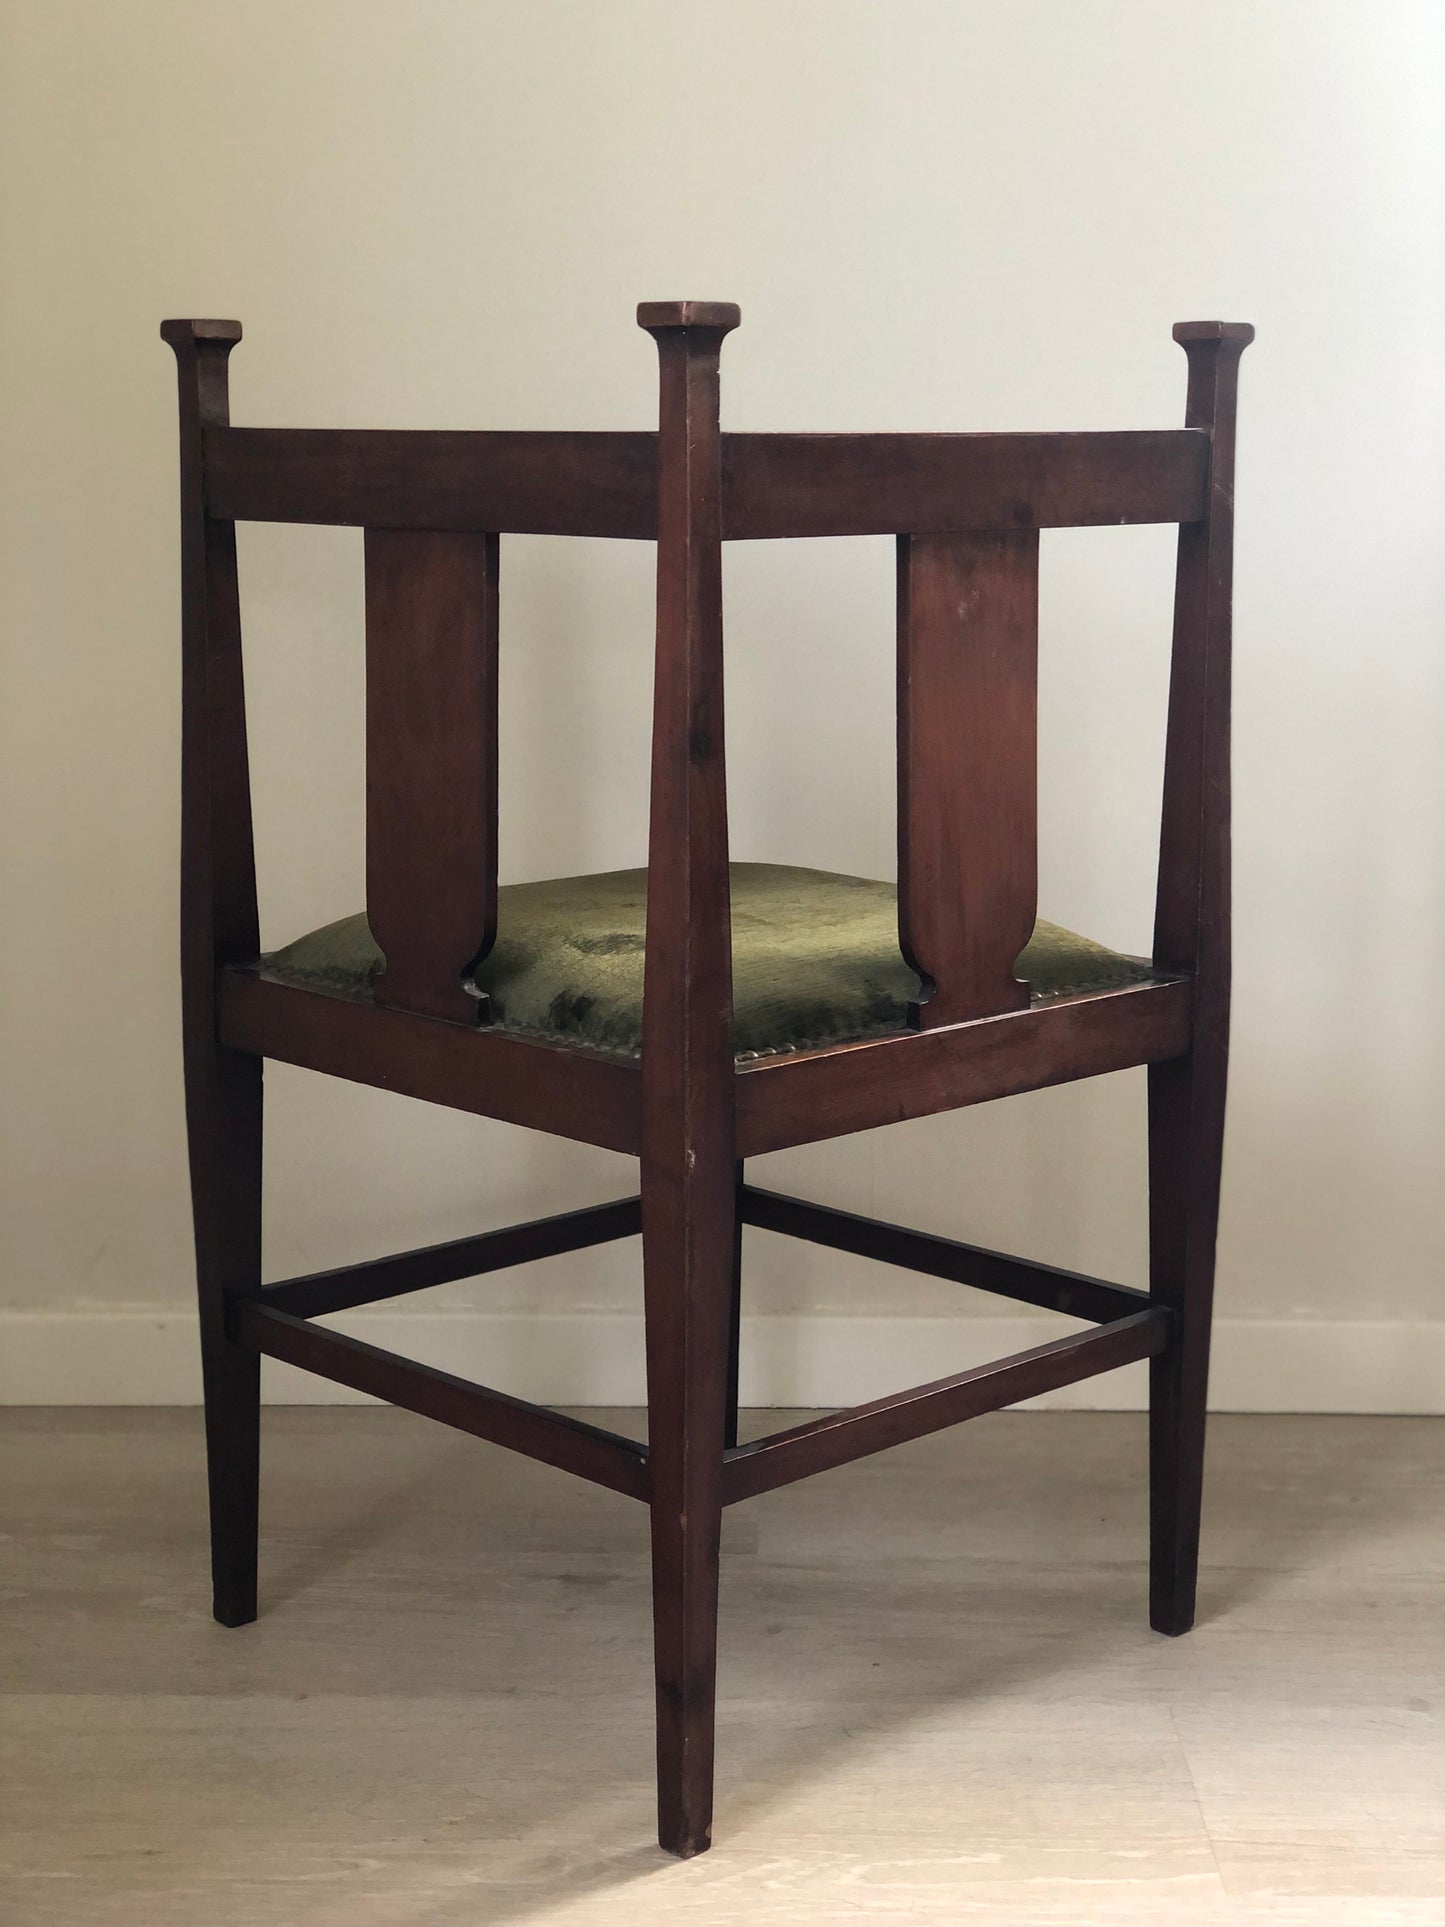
column 139, row 1357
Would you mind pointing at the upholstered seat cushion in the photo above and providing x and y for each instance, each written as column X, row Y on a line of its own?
column 815, row 959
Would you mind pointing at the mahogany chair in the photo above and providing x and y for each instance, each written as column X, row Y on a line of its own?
column 694, row 1015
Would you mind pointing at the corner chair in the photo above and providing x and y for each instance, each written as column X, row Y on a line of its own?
column 699, row 1012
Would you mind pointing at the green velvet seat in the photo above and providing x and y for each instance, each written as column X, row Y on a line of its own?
column 815, row 959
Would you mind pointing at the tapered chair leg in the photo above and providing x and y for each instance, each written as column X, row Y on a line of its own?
column 224, row 1116
column 233, row 1405
column 688, row 1240
column 735, row 1319
column 1186, row 1120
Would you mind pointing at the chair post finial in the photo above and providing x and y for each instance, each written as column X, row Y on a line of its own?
column 202, row 349
column 709, row 317
column 1213, row 349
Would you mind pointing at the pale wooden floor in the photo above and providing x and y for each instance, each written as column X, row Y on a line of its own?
column 940, row 1701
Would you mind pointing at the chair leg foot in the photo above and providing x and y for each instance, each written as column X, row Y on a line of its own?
column 233, row 1438
column 1176, row 1462
column 1171, row 1620
column 684, row 1606
column 224, row 1112
column 1176, row 1468
column 685, row 1633
column 688, row 1246
column 1186, row 1121
column 683, row 1843
column 682, row 1832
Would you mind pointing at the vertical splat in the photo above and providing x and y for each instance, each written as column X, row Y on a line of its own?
column 967, row 768
column 431, row 765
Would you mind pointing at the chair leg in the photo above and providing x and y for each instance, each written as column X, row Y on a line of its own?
column 735, row 1317
column 688, row 1246
column 224, row 1118
column 233, row 1406
column 1186, row 1135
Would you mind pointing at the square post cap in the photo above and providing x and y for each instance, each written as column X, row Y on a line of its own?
column 716, row 317
column 1240, row 333
column 177, row 333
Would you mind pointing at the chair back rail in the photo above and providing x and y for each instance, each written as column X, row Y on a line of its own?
column 814, row 485
column 773, row 486
column 512, row 484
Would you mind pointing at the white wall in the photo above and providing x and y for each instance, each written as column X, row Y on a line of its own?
column 948, row 215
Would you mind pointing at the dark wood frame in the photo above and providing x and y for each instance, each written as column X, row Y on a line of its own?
column 967, row 510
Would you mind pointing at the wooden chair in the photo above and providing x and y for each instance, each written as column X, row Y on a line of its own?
column 452, row 991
